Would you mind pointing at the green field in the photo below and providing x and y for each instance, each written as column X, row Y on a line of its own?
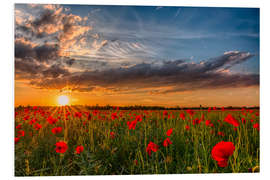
column 115, row 142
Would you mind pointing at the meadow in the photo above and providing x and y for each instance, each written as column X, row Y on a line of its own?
column 70, row 140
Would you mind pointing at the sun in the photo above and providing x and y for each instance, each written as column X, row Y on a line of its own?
column 63, row 100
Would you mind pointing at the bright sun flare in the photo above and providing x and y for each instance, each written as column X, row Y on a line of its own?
column 63, row 100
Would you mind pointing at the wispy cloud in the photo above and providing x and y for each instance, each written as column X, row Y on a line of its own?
column 177, row 12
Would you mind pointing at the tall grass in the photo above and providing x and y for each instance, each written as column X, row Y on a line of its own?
column 190, row 151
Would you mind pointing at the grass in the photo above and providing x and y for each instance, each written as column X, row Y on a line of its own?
column 190, row 151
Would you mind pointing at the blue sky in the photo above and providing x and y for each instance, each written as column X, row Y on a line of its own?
column 195, row 33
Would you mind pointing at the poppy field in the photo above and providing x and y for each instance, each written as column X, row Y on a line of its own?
column 76, row 140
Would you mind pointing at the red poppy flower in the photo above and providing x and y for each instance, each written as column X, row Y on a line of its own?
column 61, row 147
column 19, row 126
column 21, row 133
column 132, row 124
column 207, row 122
column 112, row 135
column 196, row 121
column 95, row 112
column 114, row 116
column 222, row 109
column 16, row 113
column 165, row 113
column 190, row 112
column 17, row 140
column 231, row 120
column 243, row 120
column 209, row 109
column 256, row 126
column 169, row 132
column 151, row 147
column 51, row 120
column 138, row 118
column 26, row 118
column 56, row 130
column 221, row 133
column 182, row 116
column 167, row 142
column 32, row 121
column 187, row 127
column 37, row 126
column 79, row 149
column 221, row 152
column 251, row 120
column 78, row 114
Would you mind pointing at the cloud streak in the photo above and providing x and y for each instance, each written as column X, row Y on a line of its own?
column 178, row 75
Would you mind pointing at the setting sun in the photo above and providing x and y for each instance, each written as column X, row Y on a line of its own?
column 63, row 100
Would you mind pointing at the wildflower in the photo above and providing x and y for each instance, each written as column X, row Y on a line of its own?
column 166, row 142
column 243, row 120
column 61, row 147
column 32, row 121
column 187, row 127
column 182, row 116
column 190, row 112
column 151, row 147
column 112, row 134
column 207, row 122
column 138, row 118
column 56, row 130
column 79, row 149
column 37, row 126
column 169, row 132
column 165, row 113
column 114, row 116
column 51, row 120
column 221, row 133
column 19, row 127
column 17, row 140
column 256, row 126
column 221, row 152
column 78, row 114
column 231, row 120
column 132, row 124
column 21, row 133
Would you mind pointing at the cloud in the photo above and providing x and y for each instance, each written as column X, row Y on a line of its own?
column 179, row 75
column 55, row 49
column 52, row 24
column 177, row 12
column 26, row 50
column 158, row 8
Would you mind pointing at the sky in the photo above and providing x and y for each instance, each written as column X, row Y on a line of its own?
column 136, row 55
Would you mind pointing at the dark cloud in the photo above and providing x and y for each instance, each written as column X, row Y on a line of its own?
column 47, row 17
column 45, row 52
column 29, row 67
column 23, row 50
column 55, row 71
column 70, row 61
column 179, row 75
